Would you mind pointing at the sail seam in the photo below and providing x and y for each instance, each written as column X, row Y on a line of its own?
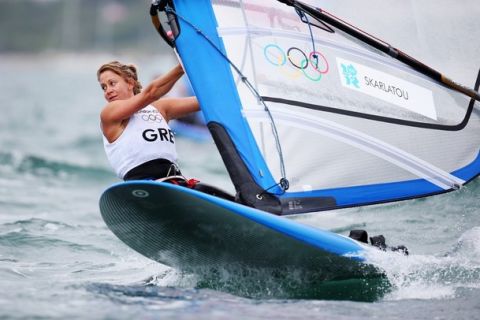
column 456, row 127
column 369, row 144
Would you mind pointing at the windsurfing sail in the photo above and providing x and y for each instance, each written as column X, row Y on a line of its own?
column 308, row 116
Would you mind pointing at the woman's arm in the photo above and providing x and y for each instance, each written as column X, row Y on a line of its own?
column 173, row 108
column 120, row 110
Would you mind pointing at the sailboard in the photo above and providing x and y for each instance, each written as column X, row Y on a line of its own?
column 310, row 113
column 205, row 235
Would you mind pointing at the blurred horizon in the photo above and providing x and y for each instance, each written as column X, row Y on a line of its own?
column 77, row 26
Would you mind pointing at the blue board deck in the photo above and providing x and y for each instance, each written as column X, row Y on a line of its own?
column 203, row 235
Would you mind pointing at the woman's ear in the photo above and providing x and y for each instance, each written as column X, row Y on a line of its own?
column 131, row 84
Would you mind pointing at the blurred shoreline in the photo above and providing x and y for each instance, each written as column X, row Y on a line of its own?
column 84, row 55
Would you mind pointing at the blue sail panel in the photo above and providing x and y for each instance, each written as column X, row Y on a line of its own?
column 213, row 82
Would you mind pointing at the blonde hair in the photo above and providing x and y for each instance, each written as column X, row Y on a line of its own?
column 125, row 71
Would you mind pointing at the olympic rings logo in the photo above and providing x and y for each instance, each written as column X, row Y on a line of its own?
column 152, row 117
column 312, row 65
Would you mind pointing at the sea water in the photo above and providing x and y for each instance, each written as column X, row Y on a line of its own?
column 59, row 260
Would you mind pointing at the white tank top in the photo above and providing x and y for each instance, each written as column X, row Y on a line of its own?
column 146, row 137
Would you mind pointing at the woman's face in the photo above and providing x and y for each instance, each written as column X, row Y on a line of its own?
column 115, row 87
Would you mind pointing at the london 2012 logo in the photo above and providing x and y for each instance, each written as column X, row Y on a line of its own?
column 388, row 84
column 350, row 74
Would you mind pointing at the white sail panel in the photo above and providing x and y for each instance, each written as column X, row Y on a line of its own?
column 275, row 50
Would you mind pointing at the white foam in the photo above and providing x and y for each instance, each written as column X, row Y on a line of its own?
column 468, row 246
column 421, row 291
column 429, row 277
